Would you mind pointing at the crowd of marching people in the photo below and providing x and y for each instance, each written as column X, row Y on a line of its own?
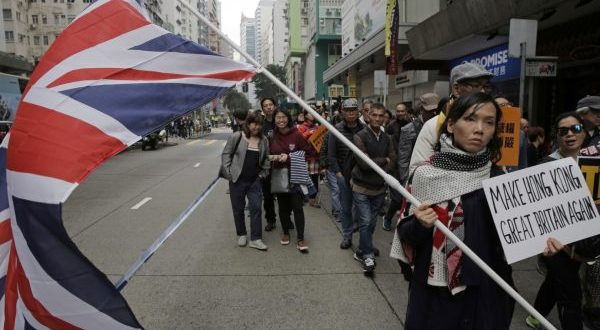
column 441, row 149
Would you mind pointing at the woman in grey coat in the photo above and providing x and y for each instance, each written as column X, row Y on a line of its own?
column 244, row 162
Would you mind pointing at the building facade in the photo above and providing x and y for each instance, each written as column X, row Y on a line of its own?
column 30, row 26
column 297, row 24
column 280, row 32
column 362, row 53
column 324, row 46
column 263, row 16
column 566, row 30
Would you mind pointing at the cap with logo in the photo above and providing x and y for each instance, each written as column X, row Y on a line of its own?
column 429, row 101
column 588, row 102
column 468, row 71
column 349, row 103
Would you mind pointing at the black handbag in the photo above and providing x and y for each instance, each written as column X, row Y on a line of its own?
column 280, row 181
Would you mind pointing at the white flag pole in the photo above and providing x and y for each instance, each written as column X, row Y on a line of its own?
column 390, row 180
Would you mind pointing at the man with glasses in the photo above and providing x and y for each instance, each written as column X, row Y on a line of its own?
column 589, row 110
column 465, row 78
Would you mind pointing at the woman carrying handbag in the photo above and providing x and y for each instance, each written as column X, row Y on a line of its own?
column 285, row 140
column 244, row 162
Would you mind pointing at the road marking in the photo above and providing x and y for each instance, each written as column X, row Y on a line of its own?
column 197, row 164
column 192, row 143
column 209, row 142
column 142, row 202
column 224, row 143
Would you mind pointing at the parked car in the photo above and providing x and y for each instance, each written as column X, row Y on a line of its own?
column 151, row 140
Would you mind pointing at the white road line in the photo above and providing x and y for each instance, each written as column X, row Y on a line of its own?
column 197, row 164
column 224, row 143
column 192, row 143
column 142, row 202
column 210, row 142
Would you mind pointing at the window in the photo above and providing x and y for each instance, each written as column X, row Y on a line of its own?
column 44, row 19
column 36, row 40
column 34, row 19
column 71, row 18
column 21, row 38
column 46, row 40
column 7, row 14
column 56, row 19
column 9, row 36
column 18, row 14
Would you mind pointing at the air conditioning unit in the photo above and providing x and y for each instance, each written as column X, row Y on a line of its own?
column 32, row 26
column 303, row 11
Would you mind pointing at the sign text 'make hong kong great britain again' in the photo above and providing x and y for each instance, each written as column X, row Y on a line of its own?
column 531, row 205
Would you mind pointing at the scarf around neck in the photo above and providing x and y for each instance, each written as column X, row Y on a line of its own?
column 449, row 174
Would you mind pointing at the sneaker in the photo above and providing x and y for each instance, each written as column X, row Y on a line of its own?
column 270, row 226
column 302, row 247
column 258, row 244
column 346, row 244
column 367, row 263
column 532, row 322
column 386, row 225
column 285, row 239
column 242, row 240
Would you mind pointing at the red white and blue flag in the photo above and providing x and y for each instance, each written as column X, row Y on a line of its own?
column 110, row 78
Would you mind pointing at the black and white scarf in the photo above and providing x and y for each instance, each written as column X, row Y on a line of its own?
column 449, row 174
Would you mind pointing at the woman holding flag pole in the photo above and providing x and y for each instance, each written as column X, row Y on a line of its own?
column 449, row 291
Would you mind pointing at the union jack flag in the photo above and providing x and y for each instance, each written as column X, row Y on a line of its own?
column 110, row 78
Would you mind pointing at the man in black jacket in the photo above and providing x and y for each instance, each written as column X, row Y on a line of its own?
column 268, row 106
column 368, row 187
column 340, row 162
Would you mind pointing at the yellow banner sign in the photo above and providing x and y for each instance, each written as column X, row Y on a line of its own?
column 316, row 140
column 509, row 131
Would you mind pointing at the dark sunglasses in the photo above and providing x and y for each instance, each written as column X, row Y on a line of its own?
column 576, row 129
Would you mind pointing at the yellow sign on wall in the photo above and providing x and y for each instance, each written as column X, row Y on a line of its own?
column 509, row 131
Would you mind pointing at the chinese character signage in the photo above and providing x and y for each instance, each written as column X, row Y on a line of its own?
column 509, row 130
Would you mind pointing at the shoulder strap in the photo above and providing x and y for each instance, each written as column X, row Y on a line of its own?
column 237, row 144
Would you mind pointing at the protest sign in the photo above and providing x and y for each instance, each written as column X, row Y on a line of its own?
column 547, row 200
column 509, row 132
column 590, row 167
column 316, row 140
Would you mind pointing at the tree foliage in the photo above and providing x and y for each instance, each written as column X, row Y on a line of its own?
column 234, row 100
column 265, row 87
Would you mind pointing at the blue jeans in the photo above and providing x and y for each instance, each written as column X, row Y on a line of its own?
column 332, row 182
column 367, row 207
column 346, row 204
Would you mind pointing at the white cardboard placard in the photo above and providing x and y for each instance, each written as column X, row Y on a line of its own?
column 533, row 204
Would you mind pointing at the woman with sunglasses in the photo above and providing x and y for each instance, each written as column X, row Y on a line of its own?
column 561, row 285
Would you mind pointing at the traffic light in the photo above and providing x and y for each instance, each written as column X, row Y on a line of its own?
column 245, row 87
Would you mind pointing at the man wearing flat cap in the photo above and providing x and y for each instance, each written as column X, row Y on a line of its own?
column 589, row 109
column 465, row 78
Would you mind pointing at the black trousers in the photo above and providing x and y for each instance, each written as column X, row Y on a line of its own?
column 268, row 200
column 288, row 203
column 238, row 192
column 561, row 287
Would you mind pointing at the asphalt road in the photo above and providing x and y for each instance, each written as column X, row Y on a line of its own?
column 201, row 279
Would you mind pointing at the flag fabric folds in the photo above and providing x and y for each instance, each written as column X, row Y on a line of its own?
column 110, row 78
